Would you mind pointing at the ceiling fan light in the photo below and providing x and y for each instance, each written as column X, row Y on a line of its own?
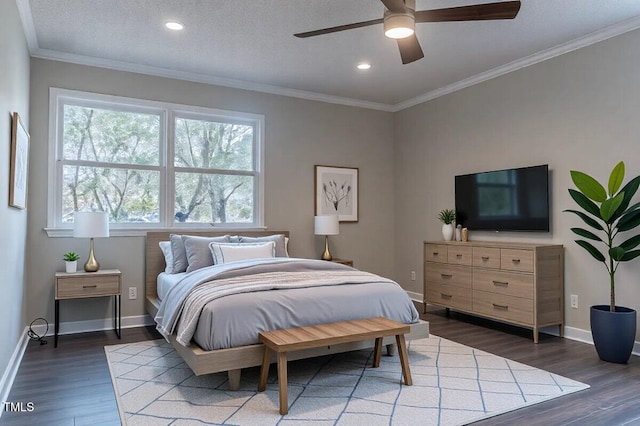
column 398, row 25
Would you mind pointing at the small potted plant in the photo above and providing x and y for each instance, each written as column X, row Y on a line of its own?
column 447, row 217
column 71, row 261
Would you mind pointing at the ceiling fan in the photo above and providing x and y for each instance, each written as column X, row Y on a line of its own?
column 400, row 18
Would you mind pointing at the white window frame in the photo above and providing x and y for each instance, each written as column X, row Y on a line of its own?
column 168, row 113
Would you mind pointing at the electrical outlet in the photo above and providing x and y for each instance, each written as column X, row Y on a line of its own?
column 574, row 301
column 413, row 275
column 133, row 293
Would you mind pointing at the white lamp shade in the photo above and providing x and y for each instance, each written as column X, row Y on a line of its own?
column 90, row 224
column 326, row 225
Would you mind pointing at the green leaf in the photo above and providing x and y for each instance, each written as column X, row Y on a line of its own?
column 585, row 203
column 616, row 253
column 588, row 220
column 629, row 190
column 630, row 255
column 616, row 178
column 589, row 186
column 586, row 234
column 631, row 243
column 592, row 250
column 609, row 206
column 629, row 221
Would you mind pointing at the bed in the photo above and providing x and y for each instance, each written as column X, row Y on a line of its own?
column 207, row 357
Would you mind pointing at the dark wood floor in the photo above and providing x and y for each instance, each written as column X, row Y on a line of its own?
column 71, row 385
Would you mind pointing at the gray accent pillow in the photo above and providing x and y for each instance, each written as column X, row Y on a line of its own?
column 197, row 250
column 281, row 250
column 165, row 246
column 179, row 254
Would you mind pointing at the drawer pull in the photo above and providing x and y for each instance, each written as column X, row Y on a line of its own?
column 90, row 286
column 458, row 256
column 505, row 307
column 446, row 275
column 515, row 260
column 500, row 283
column 435, row 253
column 448, row 296
column 485, row 258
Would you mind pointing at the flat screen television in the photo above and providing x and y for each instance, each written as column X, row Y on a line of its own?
column 504, row 200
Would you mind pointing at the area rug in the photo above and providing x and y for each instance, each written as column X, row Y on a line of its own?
column 453, row 384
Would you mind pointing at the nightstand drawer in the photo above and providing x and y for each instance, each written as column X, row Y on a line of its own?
column 77, row 287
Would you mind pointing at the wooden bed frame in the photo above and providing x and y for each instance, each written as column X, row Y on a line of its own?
column 233, row 360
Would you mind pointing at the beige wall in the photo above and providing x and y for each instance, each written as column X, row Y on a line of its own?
column 14, row 97
column 299, row 134
column 577, row 111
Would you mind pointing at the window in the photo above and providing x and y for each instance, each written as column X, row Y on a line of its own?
column 153, row 165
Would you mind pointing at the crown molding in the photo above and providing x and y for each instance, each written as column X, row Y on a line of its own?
column 595, row 37
column 206, row 79
column 561, row 49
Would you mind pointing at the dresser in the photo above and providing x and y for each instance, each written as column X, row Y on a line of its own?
column 518, row 283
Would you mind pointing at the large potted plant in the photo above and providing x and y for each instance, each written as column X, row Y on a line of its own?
column 608, row 213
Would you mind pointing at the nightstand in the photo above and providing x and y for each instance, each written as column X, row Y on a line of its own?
column 343, row 262
column 80, row 285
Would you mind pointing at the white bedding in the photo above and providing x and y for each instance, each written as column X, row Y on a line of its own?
column 166, row 281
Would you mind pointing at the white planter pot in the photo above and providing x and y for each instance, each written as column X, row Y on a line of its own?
column 71, row 266
column 447, row 231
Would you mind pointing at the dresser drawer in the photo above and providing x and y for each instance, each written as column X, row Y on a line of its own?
column 76, row 287
column 486, row 257
column 459, row 276
column 449, row 296
column 459, row 255
column 516, row 260
column 509, row 283
column 435, row 253
column 505, row 307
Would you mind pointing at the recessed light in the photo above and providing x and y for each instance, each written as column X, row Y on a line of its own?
column 174, row 25
column 364, row 66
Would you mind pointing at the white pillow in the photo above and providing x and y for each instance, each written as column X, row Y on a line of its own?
column 165, row 246
column 233, row 252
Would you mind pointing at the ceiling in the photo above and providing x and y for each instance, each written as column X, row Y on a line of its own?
column 250, row 43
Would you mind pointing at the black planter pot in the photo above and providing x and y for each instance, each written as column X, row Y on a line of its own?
column 614, row 333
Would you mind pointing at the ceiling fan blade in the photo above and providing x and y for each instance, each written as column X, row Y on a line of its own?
column 478, row 12
column 410, row 49
column 394, row 5
column 339, row 28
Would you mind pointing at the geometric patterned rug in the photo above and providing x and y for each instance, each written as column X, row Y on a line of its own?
column 453, row 384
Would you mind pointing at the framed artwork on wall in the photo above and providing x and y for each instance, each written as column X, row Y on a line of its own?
column 336, row 192
column 19, row 164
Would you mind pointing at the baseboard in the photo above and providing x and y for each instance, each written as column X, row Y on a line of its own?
column 74, row 327
column 12, row 369
column 416, row 297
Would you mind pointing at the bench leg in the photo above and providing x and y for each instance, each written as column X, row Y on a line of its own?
column 234, row 379
column 377, row 352
column 404, row 359
column 264, row 370
column 282, row 382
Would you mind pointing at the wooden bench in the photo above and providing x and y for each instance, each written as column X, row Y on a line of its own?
column 293, row 339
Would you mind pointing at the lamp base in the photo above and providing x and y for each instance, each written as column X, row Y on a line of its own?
column 92, row 264
column 326, row 255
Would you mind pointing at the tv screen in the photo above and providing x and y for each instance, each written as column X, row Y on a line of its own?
column 504, row 200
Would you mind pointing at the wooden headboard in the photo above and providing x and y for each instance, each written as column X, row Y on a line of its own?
column 154, row 259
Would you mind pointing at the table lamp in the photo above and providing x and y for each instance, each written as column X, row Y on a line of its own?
column 91, row 225
column 326, row 225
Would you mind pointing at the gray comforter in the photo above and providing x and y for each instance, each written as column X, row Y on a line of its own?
column 228, row 305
